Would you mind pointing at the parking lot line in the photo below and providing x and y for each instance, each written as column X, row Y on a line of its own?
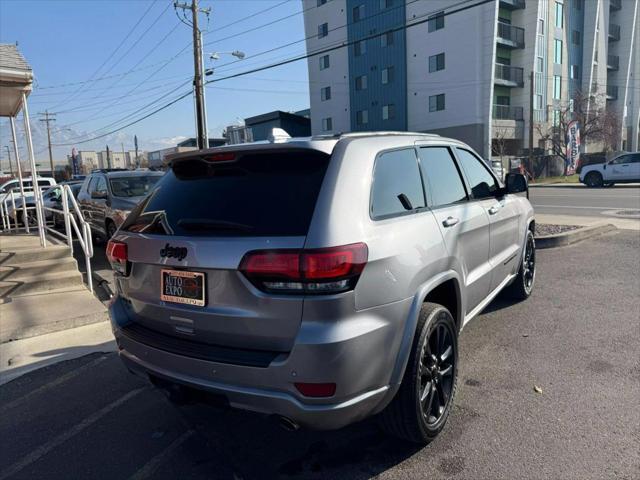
column 152, row 465
column 56, row 382
column 45, row 448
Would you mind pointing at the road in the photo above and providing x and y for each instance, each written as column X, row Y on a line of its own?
column 582, row 201
column 89, row 418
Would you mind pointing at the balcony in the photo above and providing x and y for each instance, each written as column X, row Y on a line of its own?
column 512, row 4
column 510, row 36
column 612, row 92
column 507, row 112
column 615, row 5
column 509, row 76
column 614, row 32
column 613, row 62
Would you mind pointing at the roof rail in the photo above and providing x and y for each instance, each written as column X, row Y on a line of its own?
column 107, row 170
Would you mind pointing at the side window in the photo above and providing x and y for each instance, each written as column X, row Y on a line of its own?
column 397, row 187
column 441, row 177
column 623, row 159
column 635, row 158
column 91, row 184
column 101, row 185
column 482, row 183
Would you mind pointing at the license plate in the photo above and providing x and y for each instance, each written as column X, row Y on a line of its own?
column 179, row 286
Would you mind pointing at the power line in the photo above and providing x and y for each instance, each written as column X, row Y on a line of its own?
column 112, row 53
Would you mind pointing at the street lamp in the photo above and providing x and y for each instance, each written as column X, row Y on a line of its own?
column 209, row 71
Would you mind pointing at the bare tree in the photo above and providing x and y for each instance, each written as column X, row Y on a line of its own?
column 597, row 123
column 499, row 143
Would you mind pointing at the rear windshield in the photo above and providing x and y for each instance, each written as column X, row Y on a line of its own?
column 270, row 194
column 137, row 186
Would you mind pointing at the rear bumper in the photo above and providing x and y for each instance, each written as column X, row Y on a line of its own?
column 357, row 353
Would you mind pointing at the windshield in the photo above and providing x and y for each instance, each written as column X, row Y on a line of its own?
column 137, row 186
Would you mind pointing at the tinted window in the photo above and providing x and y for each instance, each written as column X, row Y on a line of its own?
column 91, row 184
column 260, row 194
column 44, row 183
column 137, row 186
column 482, row 183
column 442, row 179
column 632, row 158
column 396, row 173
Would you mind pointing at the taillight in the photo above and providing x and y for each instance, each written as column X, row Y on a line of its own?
column 221, row 157
column 326, row 270
column 117, row 256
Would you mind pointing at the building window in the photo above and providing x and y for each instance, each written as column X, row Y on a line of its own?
column 323, row 30
column 387, row 75
column 358, row 13
column 386, row 39
column 503, row 100
column 327, row 124
column 575, row 72
column 360, row 48
column 362, row 117
column 539, row 64
column 556, row 118
column 325, row 93
column 361, row 82
column 436, row 102
column 385, row 4
column 436, row 22
column 324, row 62
column 557, row 87
column 388, row 112
column 537, row 102
column 559, row 15
column 557, row 51
column 503, row 60
column 575, row 37
column 540, row 26
column 436, row 62
column 321, row 2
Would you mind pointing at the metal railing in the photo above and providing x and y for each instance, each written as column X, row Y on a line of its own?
column 612, row 92
column 512, row 4
column 73, row 222
column 511, row 34
column 507, row 112
column 613, row 62
column 614, row 31
column 615, row 4
column 509, row 75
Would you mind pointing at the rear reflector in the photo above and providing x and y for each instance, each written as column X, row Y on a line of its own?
column 327, row 270
column 117, row 256
column 316, row 389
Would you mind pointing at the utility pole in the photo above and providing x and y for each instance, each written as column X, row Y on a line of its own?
column 531, row 104
column 202, row 140
column 124, row 157
column 135, row 143
column 108, row 159
column 9, row 155
column 48, row 118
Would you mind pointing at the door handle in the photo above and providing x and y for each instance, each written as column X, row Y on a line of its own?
column 495, row 209
column 450, row 221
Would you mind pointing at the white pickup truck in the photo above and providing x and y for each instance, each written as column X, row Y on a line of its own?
column 14, row 185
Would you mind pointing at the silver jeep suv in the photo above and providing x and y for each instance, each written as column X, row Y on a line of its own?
column 321, row 280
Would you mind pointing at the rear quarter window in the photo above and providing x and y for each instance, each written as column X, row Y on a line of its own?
column 262, row 194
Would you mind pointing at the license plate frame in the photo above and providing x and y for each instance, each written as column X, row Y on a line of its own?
column 177, row 288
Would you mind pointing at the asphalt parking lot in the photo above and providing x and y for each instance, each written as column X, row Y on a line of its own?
column 576, row 339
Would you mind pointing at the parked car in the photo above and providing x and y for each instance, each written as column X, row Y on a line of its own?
column 27, row 184
column 58, row 218
column 498, row 169
column 624, row 168
column 107, row 196
column 51, row 199
column 319, row 280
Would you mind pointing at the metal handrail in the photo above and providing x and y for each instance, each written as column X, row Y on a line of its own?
column 73, row 220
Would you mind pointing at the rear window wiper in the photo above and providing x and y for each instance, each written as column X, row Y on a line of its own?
column 205, row 224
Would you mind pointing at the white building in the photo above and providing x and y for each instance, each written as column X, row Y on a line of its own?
column 463, row 68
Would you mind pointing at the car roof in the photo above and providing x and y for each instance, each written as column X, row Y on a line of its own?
column 132, row 173
column 322, row 143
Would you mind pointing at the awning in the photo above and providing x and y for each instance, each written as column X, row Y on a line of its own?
column 16, row 78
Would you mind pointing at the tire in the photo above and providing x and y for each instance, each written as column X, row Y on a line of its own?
column 111, row 229
column 524, row 282
column 407, row 417
column 609, row 185
column 593, row 180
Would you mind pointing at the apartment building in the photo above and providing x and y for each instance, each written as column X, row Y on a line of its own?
column 465, row 68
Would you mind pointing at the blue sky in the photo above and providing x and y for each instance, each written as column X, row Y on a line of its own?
column 68, row 41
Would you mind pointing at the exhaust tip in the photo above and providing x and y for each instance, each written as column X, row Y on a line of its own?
column 288, row 424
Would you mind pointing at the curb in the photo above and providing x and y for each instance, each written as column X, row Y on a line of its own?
column 53, row 327
column 573, row 236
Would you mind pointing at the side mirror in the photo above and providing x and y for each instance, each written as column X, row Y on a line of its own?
column 99, row 195
column 516, row 183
